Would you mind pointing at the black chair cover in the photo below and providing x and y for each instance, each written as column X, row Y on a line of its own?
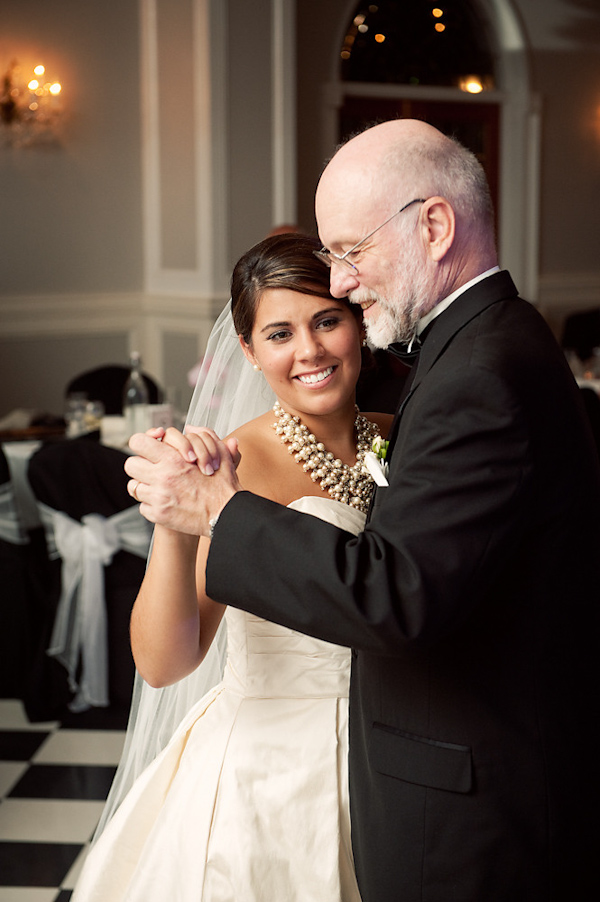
column 106, row 384
column 582, row 332
column 79, row 477
column 16, row 624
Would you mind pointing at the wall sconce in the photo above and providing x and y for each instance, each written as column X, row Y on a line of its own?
column 29, row 111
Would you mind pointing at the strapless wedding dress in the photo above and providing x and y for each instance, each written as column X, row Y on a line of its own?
column 249, row 801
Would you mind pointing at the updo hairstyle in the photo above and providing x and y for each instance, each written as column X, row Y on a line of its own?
column 280, row 261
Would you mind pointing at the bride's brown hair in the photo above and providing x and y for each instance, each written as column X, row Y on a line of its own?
column 281, row 261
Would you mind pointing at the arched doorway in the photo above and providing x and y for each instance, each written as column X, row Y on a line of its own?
column 415, row 79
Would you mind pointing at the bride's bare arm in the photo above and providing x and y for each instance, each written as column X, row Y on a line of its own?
column 173, row 622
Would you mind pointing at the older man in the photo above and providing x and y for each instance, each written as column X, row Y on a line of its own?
column 471, row 598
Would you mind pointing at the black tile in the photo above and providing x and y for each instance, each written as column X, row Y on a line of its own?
column 36, row 864
column 58, row 781
column 20, row 745
column 114, row 717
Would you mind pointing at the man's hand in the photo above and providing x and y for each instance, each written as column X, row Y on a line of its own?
column 182, row 481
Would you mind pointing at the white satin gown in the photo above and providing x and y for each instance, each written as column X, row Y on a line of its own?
column 249, row 801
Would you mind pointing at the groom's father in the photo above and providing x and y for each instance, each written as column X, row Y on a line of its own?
column 471, row 599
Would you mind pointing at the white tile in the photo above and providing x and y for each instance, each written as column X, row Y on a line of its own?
column 70, row 881
column 10, row 773
column 102, row 747
column 27, row 894
column 13, row 717
column 42, row 820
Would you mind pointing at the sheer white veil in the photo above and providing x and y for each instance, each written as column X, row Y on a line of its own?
column 228, row 393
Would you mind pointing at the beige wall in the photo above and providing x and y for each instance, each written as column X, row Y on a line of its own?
column 75, row 288
column 70, row 214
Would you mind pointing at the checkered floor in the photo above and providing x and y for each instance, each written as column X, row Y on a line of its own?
column 53, row 781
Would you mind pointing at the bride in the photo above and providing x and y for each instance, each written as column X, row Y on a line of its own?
column 248, row 801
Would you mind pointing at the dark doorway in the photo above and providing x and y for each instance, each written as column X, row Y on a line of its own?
column 474, row 124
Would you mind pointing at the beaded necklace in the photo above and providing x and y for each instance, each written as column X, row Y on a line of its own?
column 350, row 485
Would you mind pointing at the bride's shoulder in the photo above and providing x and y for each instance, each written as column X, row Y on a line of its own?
column 255, row 431
column 383, row 420
column 258, row 446
column 265, row 467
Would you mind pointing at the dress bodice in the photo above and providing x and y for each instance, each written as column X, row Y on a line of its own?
column 266, row 660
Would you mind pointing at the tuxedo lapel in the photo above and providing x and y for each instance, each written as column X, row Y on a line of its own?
column 440, row 333
column 465, row 308
column 407, row 391
column 405, row 394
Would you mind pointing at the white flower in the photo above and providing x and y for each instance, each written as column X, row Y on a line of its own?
column 379, row 446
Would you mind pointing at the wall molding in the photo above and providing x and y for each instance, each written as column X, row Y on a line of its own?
column 569, row 291
column 206, row 53
column 25, row 316
column 146, row 321
column 561, row 294
column 284, row 111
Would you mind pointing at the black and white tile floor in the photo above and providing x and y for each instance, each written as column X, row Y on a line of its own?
column 53, row 781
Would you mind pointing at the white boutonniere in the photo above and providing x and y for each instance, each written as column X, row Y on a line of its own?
column 375, row 461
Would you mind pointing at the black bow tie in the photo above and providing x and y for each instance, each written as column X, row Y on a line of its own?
column 400, row 350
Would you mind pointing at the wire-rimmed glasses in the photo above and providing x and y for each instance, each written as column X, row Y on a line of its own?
column 328, row 257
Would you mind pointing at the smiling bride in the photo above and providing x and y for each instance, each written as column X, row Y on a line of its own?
column 249, row 799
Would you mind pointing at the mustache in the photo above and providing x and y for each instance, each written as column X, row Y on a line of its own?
column 361, row 295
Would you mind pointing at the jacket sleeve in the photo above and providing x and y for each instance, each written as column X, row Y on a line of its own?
column 438, row 535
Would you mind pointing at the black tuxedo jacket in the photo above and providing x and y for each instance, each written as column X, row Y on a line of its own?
column 471, row 604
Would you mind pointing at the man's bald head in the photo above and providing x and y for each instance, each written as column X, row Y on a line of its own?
column 392, row 162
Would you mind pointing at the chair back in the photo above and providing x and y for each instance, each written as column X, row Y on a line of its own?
column 107, row 383
column 97, row 547
column 16, row 624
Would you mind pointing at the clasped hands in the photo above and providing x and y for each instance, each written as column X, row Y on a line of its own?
column 182, row 481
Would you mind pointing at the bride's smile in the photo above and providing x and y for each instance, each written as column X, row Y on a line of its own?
column 316, row 378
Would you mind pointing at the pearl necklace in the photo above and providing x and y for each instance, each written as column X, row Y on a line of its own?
column 350, row 485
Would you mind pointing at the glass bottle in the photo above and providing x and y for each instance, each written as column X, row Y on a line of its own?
column 135, row 397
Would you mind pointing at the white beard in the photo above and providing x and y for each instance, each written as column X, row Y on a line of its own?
column 397, row 319
column 389, row 325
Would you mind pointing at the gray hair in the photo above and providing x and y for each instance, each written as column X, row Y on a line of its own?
column 444, row 168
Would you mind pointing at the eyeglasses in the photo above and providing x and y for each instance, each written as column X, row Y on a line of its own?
column 328, row 257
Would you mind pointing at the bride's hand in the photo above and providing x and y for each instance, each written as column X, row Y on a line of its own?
column 199, row 445
column 208, row 447
column 175, row 482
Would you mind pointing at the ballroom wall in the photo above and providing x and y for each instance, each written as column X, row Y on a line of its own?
column 121, row 233
column 178, row 150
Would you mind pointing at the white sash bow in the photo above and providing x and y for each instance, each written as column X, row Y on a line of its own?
column 80, row 627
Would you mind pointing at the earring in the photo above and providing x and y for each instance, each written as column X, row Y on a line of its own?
column 365, row 343
column 256, row 367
